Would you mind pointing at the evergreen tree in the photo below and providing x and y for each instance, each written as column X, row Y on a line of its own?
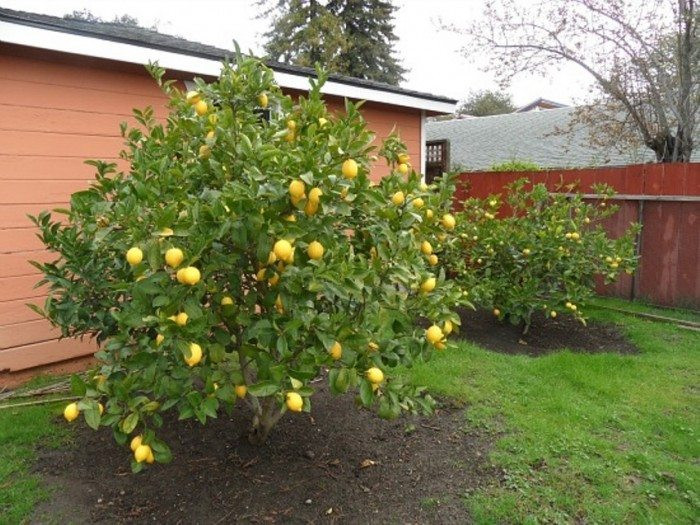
column 486, row 102
column 350, row 37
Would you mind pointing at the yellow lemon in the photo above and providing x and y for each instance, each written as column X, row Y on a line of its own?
column 180, row 276
column 496, row 312
column 141, row 453
column 260, row 275
column 241, row 391
column 322, row 121
column 211, row 135
column 315, row 250
column 336, row 351
column 150, row 458
column 136, row 443
column 552, row 314
column 290, row 136
column 448, row 221
column 434, row 334
column 426, row 248
column 402, row 168
column 134, row 256
column 447, row 327
column 262, row 100
column 191, row 275
column 278, row 305
column 428, row 285
column 418, row 203
column 192, row 97
column 297, row 189
column 433, row 260
column 181, row 319
column 575, row 236
column 440, row 345
column 274, row 280
column 404, row 158
column 195, row 354
column 586, row 220
column 429, row 214
column 271, row 258
column 204, row 151
column 201, row 108
column 71, row 412
column 226, row 300
column 398, row 198
column 315, row 194
column 283, row 250
column 166, row 232
column 101, row 408
column 374, row 375
column 173, row 257
column 310, row 208
column 294, row 402
column 526, row 252
column 159, row 339
column 291, row 125
column 373, row 347
column 349, row 169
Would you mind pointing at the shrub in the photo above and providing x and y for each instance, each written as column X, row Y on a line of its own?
column 243, row 253
column 515, row 165
column 543, row 256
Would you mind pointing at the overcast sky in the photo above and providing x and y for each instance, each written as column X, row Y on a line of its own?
column 431, row 54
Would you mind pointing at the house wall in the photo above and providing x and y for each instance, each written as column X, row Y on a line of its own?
column 56, row 111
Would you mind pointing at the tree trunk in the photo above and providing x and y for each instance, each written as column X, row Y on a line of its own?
column 266, row 417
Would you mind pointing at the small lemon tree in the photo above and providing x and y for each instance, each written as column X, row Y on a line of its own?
column 543, row 256
column 245, row 252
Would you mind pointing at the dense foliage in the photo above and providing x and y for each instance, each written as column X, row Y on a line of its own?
column 541, row 254
column 245, row 251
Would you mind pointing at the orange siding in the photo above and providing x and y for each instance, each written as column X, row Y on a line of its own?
column 57, row 111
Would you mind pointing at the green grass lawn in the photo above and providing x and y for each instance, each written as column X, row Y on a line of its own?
column 599, row 438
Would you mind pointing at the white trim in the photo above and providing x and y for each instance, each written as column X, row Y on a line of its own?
column 423, row 149
column 96, row 47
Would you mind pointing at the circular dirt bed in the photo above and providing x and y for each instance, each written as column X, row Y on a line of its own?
column 336, row 465
column 546, row 335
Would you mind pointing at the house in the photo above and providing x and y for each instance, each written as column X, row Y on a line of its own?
column 66, row 85
column 545, row 137
column 540, row 104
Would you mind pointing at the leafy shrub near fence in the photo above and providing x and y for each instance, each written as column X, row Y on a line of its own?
column 245, row 251
column 543, row 256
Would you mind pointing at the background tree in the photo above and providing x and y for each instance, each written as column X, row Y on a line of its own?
column 87, row 16
column 643, row 57
column 486, row 102
column 351, row 37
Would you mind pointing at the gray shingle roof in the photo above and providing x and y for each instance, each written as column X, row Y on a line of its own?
column 144, row 37
column 479, row 143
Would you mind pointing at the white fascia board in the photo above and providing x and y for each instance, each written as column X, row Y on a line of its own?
column 423, row 142
column 122, row 52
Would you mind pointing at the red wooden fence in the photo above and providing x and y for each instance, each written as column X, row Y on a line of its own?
column 664, row 198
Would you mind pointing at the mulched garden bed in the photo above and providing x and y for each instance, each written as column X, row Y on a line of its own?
column 336, row 465
column 546, row 335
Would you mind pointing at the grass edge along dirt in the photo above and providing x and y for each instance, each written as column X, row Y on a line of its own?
column 601, row 438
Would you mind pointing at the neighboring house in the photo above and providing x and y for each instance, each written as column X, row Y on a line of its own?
column 542, row 137
column 540, row 104
column 66, row 85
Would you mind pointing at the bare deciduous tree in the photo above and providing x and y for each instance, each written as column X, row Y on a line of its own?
column 642, row 54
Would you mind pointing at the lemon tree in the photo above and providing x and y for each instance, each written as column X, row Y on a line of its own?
column 244, row 253
column 543, row 256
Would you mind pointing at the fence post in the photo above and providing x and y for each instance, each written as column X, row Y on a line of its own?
column 638, row 248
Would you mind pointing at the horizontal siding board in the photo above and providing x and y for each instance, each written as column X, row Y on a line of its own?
column 19, row 240
column 53, row 120
column 28, row 332
column 46, row 167
column 15, row 215
column 17, row 311
column 17, row 264
column 37, row 354
column 25, row 191
column 37, row 143
column 22, row 287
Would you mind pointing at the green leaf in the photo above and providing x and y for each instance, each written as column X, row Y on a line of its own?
column 129, row 423
column 77, row 385
column 366, row 394
column 263, row 389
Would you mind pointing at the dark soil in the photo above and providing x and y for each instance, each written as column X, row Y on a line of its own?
column 336, row 465
column 545, row 336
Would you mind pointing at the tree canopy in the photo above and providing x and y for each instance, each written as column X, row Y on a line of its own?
column 486, row 102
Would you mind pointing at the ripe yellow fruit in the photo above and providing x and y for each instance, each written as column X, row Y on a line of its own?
column 136, row 443
column 181, row 319
column 402, row 168
column 440, row 345
column 191, row 275
column 150, row 458
column 587, row 220
column 310, row 208
column 173, row 257
column 101, row 408
column 291, row 125
column 297, row 189
column 526, row 252
column 195, row 354
column 290, row 136
column 552, row 314
column 166, row 232
column 141, row 453
column 398, row 198
column 433, row 260
column 428, row 285
column 426, row 248
column 241, row 391
column 294, row 402
column 575, row 236
column 201, row 108
column 374, row 375
column 279, row 306
column 315, row 195
column 260, row 275
column 226, row 300
column 349, row 169
column 429, row 214
column 447, row 327
column 204, row 151
column 159, row 339
column 418, row 203
column 404, row 158
column 71, row 412
column 193, row 97
column 336, row 351
column 448, row 221
column 496, row 312
column 271, row 258
column 211, row 134
column 315, row 250
column 434, row 334
column 322, row 121
column 290, row 218
column 283, row 250
column 274, row 280
column 134, row 256
column 262, row 100
column 373, row 347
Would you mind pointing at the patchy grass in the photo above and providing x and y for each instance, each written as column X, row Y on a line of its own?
column 22, row 431
column 594, row 438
